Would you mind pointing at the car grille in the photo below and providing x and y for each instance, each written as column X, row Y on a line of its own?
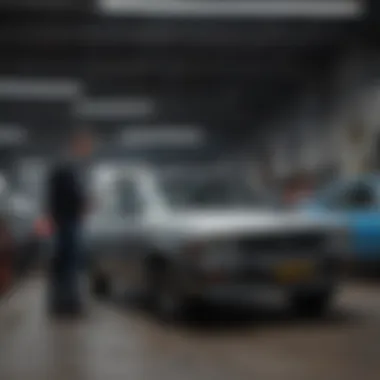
column 289, row 243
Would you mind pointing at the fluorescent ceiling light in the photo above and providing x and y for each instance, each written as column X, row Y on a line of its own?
column 157, row 136
column 12, row 134
column 237, row 8
column 115, row 108
column 37, row 89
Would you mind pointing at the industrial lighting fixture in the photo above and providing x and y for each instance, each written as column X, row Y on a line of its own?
column 37, row 89
column 165, row 136
column 237, row 8
column 115, row 108
column 12, row 135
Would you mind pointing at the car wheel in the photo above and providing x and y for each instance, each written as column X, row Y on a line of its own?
column 169, row 302
column 311, row 304
column 100, row 286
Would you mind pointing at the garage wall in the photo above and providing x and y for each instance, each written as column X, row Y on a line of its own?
column 342, row 139
column 302, row 139
column 357, row 122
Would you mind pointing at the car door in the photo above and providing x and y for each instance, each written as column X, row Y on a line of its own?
column 358, row 201
column 122, row 233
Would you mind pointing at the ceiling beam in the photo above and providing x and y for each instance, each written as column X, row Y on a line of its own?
column 15, row 89
column 309, row 9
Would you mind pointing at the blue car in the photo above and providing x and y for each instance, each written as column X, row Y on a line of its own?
column 358, row 202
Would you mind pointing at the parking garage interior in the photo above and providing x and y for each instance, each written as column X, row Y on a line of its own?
column 285, row 92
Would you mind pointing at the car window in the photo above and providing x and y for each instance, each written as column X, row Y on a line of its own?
column 210, row 190
column 128, row 198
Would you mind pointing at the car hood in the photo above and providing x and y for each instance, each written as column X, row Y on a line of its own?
column 246, row 222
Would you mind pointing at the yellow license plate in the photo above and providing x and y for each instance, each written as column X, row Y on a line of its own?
column 295, row 271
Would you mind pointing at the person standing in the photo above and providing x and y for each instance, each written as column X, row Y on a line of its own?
column 67, row 204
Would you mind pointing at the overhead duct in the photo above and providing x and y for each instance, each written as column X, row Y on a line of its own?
column 163, row 137
column 12, row 135
column 108, row 109
column 17, row 89
column 342, row 9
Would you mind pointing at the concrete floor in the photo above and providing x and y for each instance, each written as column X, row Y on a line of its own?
column 115, row 343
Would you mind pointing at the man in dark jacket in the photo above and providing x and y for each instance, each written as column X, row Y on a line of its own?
column 67, row 203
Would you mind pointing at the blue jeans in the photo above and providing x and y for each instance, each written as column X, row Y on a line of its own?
column 66, row 267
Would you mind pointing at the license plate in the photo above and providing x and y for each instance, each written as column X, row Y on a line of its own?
column 295, row 271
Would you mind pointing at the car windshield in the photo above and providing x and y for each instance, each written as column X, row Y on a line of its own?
column 207, row 190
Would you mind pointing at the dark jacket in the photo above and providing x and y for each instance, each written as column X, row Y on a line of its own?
column 66, row 198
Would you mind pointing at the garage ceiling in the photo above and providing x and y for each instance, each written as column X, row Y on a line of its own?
column 227, row 75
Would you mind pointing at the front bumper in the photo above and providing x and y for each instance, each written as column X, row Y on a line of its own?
column 279, row 276
column 262, row 292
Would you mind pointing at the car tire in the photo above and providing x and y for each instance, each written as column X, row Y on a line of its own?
column 169, row 302
column 311, row 305
column 100, row 286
